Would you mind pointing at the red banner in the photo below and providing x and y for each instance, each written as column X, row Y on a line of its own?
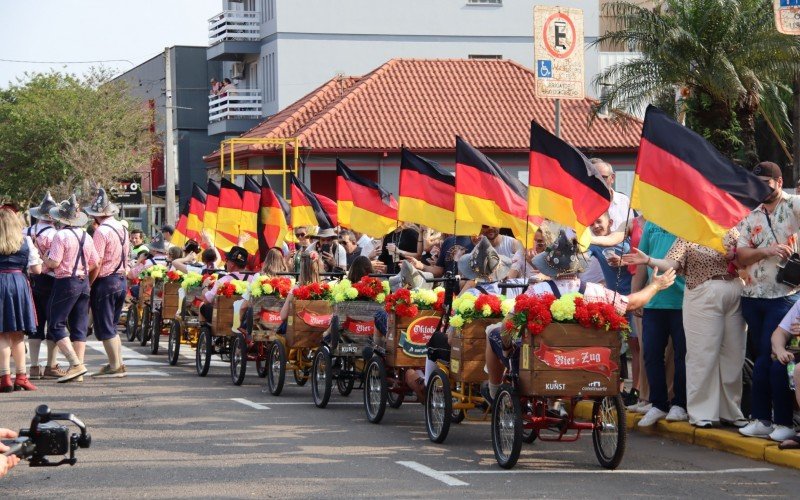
column 313, row 319
column 590, row 359
column 364, row 328
column 270, row 317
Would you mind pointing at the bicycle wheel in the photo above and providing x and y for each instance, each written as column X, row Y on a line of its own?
column 375, row 391
column 321, row 375
column 438, row 406
column 276, row 368
column 506, row 427
column 609, row 435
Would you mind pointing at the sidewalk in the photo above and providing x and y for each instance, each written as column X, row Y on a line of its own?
column 724, row 439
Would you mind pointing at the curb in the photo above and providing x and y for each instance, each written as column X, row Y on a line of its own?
column 718, row 439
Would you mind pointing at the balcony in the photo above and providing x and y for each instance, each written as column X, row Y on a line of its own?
column 234, row 112
column 232, row 33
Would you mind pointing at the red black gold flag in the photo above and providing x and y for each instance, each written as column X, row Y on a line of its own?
column 563, row 185
column 272, row 219
column 179, row 236
column 229, row 214
column 373, row 210
column 248, row 221
column 487, row 194
column 196, row 213
column 306, row 208
column 210, row 214
column 686, row 186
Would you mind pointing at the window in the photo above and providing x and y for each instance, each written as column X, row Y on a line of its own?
column 485, row 56
column 270, row 92
column 267, row 10
column 485, row 2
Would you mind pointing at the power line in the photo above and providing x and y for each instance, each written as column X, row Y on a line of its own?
column 67, row 62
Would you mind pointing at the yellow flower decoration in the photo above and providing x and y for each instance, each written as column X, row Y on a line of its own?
column 456, row 321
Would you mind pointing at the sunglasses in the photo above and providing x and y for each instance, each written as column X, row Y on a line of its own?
column 300, row 235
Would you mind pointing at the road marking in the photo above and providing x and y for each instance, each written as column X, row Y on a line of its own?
column 341, row 403
column 251, row 404
column 150, row 373
column 127, row 352
column 606, row 471
column 191, row 355
column 434, row 474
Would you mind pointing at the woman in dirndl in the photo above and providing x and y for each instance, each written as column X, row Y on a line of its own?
column 17, row 315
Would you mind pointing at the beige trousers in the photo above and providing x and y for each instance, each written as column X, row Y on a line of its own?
column 715, row 349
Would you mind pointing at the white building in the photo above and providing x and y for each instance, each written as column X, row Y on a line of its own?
column 276, row 51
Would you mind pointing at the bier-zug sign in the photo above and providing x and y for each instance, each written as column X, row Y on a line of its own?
column 558, row 52
column 787, row 16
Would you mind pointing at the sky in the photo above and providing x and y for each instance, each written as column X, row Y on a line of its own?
column 92, row 30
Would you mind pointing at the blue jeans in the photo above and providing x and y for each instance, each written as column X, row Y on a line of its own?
column 658, row 326
column 770, row 388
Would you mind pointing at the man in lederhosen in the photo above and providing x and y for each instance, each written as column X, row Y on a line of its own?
column 108, row 281
column 42, row 234
column 72, row 256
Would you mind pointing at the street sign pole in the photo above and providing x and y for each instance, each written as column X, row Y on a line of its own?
column 557, row 125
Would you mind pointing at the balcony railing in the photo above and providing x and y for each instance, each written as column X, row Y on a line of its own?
column 235, row 104
column 234, row 25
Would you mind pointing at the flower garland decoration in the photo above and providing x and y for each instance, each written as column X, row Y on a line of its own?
column 174, row 276
column 367, row 288
column 536, row 312
column 210, row 279
column 231, row 288
column 600, row 316
column 468, row 307
column 191, row 280
column 406, row 303
column 313, row 291
column 532, row 312
column 157, row 272
column 268, row 286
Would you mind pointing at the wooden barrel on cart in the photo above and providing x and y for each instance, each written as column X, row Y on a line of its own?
column 169, row 305
column 307, row 321
column 266, row 317
column 146, row 289
column 356, row 323
column 570, row 360
column 407, row 339
column 222, row 317
column 468, row 351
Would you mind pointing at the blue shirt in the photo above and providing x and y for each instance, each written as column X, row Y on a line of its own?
column 618, row 279
column 656, row 242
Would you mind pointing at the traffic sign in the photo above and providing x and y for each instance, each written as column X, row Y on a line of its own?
column 558, row 52
column 787, row 16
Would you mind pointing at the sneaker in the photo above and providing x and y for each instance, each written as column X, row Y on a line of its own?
column 651, row 417
column 703, row 424
column 644, row 408
column 756, row 429
column 634, row 408
column 739, row 422
column 782, row 433
column 677, row 414
column 73, row 373
column 107, row 372
column 36, row 372
column 53, row 372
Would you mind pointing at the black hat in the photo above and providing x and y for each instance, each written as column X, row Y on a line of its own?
column 238, row 256
column 42, row 212
column 191, row 246
column 768, row 169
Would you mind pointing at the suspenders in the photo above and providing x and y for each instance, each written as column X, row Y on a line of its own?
column 80, row 259
column 557, row 292
column 122, row 240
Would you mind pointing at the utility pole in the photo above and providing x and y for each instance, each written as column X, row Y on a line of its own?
column 796, row 129
column 171, row 160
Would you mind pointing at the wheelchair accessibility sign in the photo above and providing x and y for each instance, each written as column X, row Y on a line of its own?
column 558, row 52
column 544, row 68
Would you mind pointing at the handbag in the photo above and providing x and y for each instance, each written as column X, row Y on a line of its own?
column 789, row 271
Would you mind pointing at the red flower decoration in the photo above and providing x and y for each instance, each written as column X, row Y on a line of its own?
column 368, row 288
column 226, row 290
column 312, row 291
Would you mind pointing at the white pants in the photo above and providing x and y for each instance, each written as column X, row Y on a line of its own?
column 715, row 349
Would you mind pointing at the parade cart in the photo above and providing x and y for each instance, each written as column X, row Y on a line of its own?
column 341, row 356
column 143, row 306
column 217, row 336
column 164, row 307
column 131, row 313
column 306, row 323
column 184, row 329
column 561, row 363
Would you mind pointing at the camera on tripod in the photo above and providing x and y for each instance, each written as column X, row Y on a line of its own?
column 46, row 438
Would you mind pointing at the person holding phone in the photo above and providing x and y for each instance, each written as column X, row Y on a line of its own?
column 332, row 254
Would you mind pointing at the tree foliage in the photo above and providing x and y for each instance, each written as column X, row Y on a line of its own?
column 65, row 133
column 725, row 55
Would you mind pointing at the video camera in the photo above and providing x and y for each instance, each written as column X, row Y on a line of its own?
column 47, row 438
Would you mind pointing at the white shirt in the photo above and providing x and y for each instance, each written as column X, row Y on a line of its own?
column 508, row 246
column 619, row 211
column 366, row 244
column 34, row 259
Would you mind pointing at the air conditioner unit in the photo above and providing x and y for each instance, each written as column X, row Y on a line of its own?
column 237, row 70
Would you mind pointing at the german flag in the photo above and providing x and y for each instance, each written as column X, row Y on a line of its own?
column 330, row 208
column 487, row 194
column 197, row 208
column 179, row 236
column 686, row 186
column 373, row 210
column 248, row 222
column 210, row 214
column 272, row 219
column 306, row 208
column 563, row 185
column 344, row 199
column 229, row 215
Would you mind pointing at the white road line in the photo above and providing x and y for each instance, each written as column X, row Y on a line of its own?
column 215, row 361
column 150, row 373
column 142, row 362
column 606, row 471
column 251, row 404
column 341, row 403
column 434, row 474
column 127, row 352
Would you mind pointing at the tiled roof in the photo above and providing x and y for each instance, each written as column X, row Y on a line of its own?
column 424, row 104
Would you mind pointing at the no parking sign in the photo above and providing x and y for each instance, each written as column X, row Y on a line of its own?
column 558, row 52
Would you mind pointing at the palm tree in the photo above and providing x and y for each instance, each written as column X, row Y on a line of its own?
column 724, row 56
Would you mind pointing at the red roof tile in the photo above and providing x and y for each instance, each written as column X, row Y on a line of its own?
column 424, row 104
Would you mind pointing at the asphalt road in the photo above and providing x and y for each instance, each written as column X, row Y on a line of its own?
column 163, row 432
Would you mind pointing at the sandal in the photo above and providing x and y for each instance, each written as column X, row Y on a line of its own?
column 792, row 443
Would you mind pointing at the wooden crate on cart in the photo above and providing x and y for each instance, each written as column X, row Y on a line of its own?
column 307, row 321
column 146, row 289
column 407, row 338
column 222, row 317
column 468, row 351
column 169, row 305
column 266, row 317
column 356, row 323
column 570, row 360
